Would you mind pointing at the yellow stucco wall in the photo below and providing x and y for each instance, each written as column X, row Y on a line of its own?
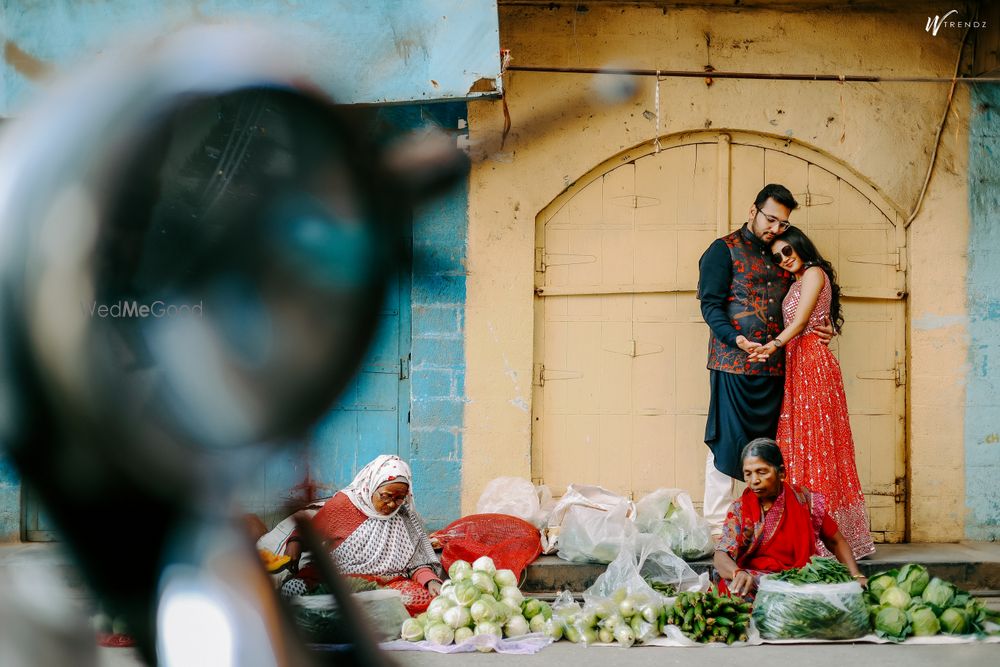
column 561, row 130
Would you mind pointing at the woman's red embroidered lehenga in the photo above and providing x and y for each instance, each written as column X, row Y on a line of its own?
column 814, row 430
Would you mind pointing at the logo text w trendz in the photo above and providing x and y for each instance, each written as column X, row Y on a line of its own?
column 938, row 22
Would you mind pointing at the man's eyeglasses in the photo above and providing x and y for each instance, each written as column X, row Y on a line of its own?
column 771, row 220
column 786, row 251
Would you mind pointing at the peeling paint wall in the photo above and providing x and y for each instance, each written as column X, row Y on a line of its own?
column 982, row 411
column 10, row 502
column 375, row 51
column 561, row 130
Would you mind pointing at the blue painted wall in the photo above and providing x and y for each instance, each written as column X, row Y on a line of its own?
column 10, row 502
column 372, row 51
column 982, row 413
column 437, row 379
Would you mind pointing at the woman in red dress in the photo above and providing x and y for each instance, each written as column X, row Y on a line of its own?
column 773, row 526
column 814, row 430
column 374, row 532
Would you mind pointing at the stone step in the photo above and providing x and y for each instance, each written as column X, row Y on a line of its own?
column 973, row 566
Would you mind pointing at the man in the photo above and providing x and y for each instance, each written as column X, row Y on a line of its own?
column 740, row 290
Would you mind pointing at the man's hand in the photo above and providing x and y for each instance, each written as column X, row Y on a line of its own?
column 824, row 331
column 746, row 345
column 763, row 352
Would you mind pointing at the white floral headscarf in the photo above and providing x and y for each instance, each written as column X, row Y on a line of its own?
column 385, row 469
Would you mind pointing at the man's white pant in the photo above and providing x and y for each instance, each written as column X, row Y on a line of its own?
column 718, row 495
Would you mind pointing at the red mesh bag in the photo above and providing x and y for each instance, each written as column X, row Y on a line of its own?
column 511, row 542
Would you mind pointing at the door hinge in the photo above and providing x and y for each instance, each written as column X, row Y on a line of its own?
column 897, row 490
column 404, row 367
column 900, row 373
column 538, row 375
column 901, row 258
column 900, row 490
column 540, row 260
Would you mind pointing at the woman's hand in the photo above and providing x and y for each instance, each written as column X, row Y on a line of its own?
column 763, row 352
column 434, row 587
column 742, row 583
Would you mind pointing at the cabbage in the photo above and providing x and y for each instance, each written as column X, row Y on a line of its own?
column 466, row 593
column 516, row 626
column 447, row 587
column 537, row 623
column 512, row 592
column 457, row 617
column 440, row 634
column 624, row 636
column 460, row 570
column 423, row 620
column 553, row 628
column 954, row 621
column 437, row 607
column 913, row 578
column 505, row 578
column 463, row 635
column 895, row 597
column 484, row 564
column 482, row 611
column 531, row 608
column 488, row 628
column 412, row 631
column 938, row 594
column 879, row 583
column 502, row 612
column 891, row 622
column 484, row 582
column 923, row 621
column 513, row 605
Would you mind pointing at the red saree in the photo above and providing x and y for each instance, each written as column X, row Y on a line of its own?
column 780, row 539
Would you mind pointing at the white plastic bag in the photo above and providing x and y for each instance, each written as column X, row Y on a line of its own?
column 645, row 557
column 518, row 497
column 588, row 524
column 670, row 514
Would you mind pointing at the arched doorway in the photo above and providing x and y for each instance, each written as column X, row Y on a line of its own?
column 621, row 389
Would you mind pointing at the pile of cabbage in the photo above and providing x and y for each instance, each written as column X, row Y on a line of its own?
column 479, row 599
column 909, row 601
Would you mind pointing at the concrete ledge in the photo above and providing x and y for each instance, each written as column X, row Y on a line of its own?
column 973, row 566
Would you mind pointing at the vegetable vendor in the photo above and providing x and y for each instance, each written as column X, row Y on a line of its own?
column 773, row 526
column 374, row 532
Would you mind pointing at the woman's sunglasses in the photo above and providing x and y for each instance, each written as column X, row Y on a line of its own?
column 785, row 250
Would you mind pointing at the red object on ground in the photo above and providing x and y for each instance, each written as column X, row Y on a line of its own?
column 511, row 542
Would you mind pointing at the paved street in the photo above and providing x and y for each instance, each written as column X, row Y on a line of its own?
column 811, row 655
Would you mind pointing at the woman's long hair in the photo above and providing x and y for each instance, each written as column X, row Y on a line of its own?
column 810, row 256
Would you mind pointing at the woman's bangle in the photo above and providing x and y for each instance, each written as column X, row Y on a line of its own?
column 737, row 571
column 859, row 576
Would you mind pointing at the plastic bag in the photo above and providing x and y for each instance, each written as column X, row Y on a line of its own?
column 670, row 514
column 523, row 645
column 589, row 524
column 319, row 616
column 518, row 497
column 784, row 610
column 645, row 557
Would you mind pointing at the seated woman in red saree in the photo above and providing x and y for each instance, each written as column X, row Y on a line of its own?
column 374, row 532
column 773, row 526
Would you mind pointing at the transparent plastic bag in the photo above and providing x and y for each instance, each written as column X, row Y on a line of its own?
column 523, row 645
column 670, row 514
column 319, row 616
column 783, row 610
column 592, row 524
column 509, row 495
column 645, row 557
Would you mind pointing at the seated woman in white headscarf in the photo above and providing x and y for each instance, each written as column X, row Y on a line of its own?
column 374, row 532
